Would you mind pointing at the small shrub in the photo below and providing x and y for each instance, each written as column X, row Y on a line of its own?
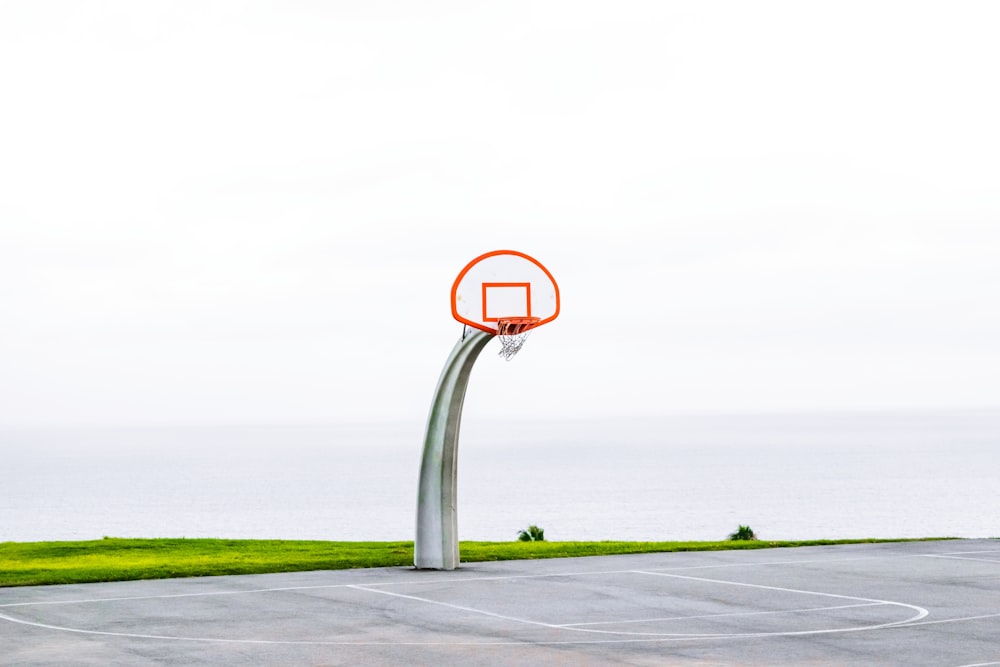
column 532, row 534
column 743, row 533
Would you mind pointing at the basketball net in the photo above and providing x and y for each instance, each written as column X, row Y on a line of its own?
column 513, row 332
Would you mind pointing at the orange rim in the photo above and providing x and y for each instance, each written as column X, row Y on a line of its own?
column 510, row 326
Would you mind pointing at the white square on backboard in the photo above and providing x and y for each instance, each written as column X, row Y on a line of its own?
column 501, row 300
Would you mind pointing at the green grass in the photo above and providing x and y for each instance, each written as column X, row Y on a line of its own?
column 118, row 559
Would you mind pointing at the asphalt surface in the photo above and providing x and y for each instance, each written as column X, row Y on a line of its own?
column 916, row 603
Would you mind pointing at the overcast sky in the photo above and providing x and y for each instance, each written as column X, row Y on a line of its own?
column 247, row 212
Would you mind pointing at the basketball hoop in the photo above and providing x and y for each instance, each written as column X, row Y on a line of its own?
column 505, row 293
column 512, row 332
column 500, row 294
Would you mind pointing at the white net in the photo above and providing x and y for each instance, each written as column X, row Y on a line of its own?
column 512, row 334
column 511, row 344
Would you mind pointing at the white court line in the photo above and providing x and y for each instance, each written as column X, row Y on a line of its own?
column 304, row 642
column 787, row 590
column 981, row 664
column 168, row 596
column 132, row 635
column 735, row 613
column 768, row 563
column 955, row 620
column 921, row 613
column 977, row 560
column 449, row 605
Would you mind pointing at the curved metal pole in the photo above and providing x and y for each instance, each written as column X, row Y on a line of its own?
column 436, row 544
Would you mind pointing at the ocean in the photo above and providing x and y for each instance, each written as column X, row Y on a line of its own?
column 651, row 478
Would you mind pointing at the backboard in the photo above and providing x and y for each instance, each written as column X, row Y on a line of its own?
column 501, row 285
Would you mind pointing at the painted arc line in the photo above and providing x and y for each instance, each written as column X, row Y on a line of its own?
column 921, row 613
column 129, row 635
column 645, row 640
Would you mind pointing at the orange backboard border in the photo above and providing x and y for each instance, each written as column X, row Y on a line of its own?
column 494, row 253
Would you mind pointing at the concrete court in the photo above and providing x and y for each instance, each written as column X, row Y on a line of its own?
column 917, row 603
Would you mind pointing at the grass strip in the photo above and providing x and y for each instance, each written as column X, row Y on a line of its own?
column 120, row 559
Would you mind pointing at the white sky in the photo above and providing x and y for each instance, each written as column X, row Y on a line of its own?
column 241, row 212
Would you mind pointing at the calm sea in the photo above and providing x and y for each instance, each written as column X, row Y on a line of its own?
column 805, row 476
